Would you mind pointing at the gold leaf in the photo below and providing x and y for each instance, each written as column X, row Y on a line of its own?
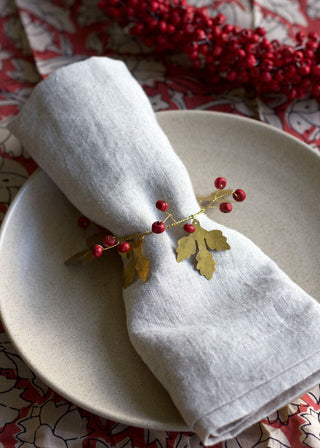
column 206, row 264
column 216, row 240
column 186, row 247
column 128, row 273
column 78, row 257
column 138, row 263
column 88, row 257
column 142, row 263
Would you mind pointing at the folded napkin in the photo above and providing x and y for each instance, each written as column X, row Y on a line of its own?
column 229, row 350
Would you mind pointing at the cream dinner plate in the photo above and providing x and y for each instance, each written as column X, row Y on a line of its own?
column 68, row 323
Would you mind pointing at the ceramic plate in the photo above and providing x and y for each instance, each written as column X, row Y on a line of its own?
column 68, row 323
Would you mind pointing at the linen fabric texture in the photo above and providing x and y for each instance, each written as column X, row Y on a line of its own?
column 229, row 350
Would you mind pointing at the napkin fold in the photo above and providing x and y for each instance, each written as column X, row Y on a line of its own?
column 229, row 350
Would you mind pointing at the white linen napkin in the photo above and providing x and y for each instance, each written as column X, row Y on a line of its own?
column 226, row 349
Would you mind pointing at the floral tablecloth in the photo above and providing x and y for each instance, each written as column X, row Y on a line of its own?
column 36, row 38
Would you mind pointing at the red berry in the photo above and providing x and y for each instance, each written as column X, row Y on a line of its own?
column 162, row 205
column 220, row 183
column 158, row 227
column 97, row 251
column 190, row 228
column 225, row 207
column 83, row 222
column 239, row 195
column 123, row 247
column 109, row 241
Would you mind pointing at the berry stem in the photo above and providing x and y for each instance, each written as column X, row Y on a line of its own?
column 173, row 224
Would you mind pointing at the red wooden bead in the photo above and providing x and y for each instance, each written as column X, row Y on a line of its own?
column 316, row 70
column 162, row 205
column 200, row 34
column 225, row 207
column 123, row 247
column 83, row 222
column 109, row 241
column 251, row 60
column 190, row 228
column 239, row 195
column 300, row 36
column 219, row 19
column 260, row 31
column 158, row 227
column 97, row 251
column 316, row 90
column 313, row 35
column 220, row 183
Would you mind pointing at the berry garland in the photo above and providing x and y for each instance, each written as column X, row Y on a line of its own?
column 199, row 240
column 224, row 55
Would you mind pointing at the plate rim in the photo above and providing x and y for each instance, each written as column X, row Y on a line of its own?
column 131, row 421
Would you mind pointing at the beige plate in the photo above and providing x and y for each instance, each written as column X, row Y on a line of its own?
column 68, row 323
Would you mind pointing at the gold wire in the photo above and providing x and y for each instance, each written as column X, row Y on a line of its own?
column 174, row 224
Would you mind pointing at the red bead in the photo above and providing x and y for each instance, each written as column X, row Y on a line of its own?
column 313, row 36
column 316, row 90
column 232, row 75
column 123, row 247
column 220, row 183
column 162, row 26
column 83, row 222
column 267, row 64
column 219, row 19
column 241, row 53
column 97, row 251
column 266, row 77
column 316, row 70
column 298, row 56
column 217, row 50
column 228, row 28
column 225, row 207
column 200, row 34
column 251, row 60
column 158, row 227
column 162, row 205
column 204, row 49
column 190, row 228
column 300, row 36
column 239, row 195
column 109, row 241
column 311, row 45
column 305, row 69
column 260, row 31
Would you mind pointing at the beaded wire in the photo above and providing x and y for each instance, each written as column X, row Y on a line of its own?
column 201, row 239
column 224, row 55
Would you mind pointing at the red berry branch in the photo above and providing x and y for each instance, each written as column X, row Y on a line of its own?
column 199, row 240
column 224, row 55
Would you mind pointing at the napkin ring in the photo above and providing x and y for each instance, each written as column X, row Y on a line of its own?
column 198, row 243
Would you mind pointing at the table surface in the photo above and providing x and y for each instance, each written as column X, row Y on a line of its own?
column 38, row 37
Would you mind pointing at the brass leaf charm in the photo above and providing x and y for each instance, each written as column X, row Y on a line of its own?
column 200, row 241
column 186, row 247
column 216, row 241
column 206, row 264
column 81, row 257
column 137, row 263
